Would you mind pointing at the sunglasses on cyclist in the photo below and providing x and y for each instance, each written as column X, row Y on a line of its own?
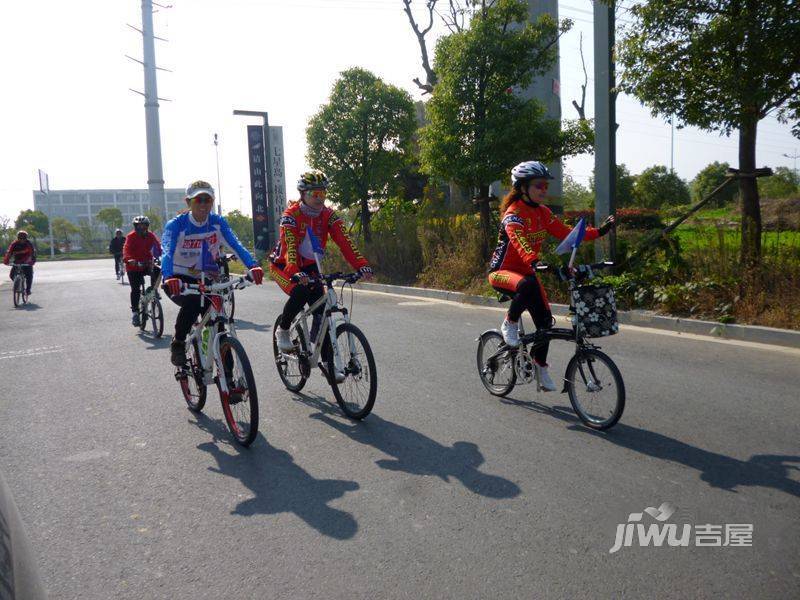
column 202, row 199
column 541, row 185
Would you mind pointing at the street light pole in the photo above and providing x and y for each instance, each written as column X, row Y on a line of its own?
column 794, row 157
column 219, row 185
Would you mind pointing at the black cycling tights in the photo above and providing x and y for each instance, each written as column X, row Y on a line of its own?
column 298, row 298
column 529, row 297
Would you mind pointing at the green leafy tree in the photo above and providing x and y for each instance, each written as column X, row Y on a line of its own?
column 721, row 65
column 89, row 234
column 782, row 184
column 110, row 216
column 35, row 222
column 478, row 127
column 63, row 229
column 707, row 180
column 576, row 196
column 242, row 226
column 360, row 139
column 657, row 187
column 624, row 183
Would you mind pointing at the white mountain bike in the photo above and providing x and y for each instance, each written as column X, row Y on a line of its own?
column 338, row 348
column 215, row 355
column 150, row 309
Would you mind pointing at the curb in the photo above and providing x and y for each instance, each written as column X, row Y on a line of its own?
column 640, row 318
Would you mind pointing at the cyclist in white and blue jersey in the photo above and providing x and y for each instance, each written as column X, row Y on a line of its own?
column 191, row 243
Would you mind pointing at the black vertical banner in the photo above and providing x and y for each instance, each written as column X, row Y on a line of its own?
column 258, row 189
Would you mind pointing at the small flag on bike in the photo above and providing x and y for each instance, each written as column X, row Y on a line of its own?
column 574, row 239
column 208, row 262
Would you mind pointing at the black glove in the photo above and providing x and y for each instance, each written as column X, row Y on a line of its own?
column 609, row 224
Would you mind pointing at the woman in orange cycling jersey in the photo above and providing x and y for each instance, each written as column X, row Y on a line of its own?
column 294, row 256
column 525, row 224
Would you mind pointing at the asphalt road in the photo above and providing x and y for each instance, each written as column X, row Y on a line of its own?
column 443, row 492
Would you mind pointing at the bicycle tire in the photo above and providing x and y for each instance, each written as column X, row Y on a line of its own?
column 297, row 381
column 353, row 373
column 233, row 306
column 576, row 372
column 18, row 291
column 247, row 395
column 493, row 336
column 194, row 376
column 143, row 314
column 156, row 317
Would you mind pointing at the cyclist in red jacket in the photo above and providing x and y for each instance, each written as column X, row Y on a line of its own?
column 293, row 254
column 22, row 252
column 137, row 253
column 525, row 224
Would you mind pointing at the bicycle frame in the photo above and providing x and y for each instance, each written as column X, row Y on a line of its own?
column 331, row 301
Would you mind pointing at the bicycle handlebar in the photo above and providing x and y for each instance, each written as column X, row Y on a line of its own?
column 194, row 289
column 330, row 278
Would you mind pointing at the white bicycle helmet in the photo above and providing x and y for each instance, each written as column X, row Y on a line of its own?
column 530, row 169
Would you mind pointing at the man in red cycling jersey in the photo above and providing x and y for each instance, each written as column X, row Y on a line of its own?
column 23, row 253
column 294, row 255
column 137, row 253
column 525, row 224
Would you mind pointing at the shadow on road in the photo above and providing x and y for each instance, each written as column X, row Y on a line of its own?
column 414, row 452
column 718, row 470
column 249, row 325
column 278, row 483
column 29, row 306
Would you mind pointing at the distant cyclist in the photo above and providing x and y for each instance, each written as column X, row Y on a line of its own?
column 22, row 252
column 191, row 246
column 138, row 253
column 293, row 254
column 525, row 223
column 115, row 247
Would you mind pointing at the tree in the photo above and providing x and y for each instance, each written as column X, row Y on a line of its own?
column 782, row 184
column 478, row 127
column 62, row 229
column 657, row 187
column 360, row 139
column 576, row 196
column 35, row 222
column 156, row 221
column 721, row 65
column 110, row 216
column 90, row 236
column 242, row 226
column 709, row 179
column 624, row 183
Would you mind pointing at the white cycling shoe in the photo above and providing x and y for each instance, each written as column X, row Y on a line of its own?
column 284, row 340
column 545, row 382
column 510, row 333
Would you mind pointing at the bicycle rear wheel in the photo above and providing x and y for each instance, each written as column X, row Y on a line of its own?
column 291, row 372
column 595, row 387
column 495, row 368
column 156, row 314
column 191, row 380
column 240, row 402
column 356, row 394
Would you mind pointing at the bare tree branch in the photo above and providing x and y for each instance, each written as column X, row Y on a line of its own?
column 430, row 75
column 582, row 107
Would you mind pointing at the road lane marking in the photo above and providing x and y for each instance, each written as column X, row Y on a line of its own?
column 634, row 328
column 31, row 352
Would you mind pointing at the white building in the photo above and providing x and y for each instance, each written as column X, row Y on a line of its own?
column 80, row 205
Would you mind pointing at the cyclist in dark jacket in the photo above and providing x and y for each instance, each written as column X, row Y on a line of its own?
column 115, row 247
column 22, row 252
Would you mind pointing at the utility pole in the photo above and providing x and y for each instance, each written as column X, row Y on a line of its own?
column 672, row 143
column 605, row 123
column 219, row 185
column 155, row 175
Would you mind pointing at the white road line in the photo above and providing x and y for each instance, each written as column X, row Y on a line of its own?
column 635, row 328
column 31, row 352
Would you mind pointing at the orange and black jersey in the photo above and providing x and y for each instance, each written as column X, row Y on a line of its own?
column 293, row 252
column 522, row 231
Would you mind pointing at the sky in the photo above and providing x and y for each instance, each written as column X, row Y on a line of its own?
column 66, row 106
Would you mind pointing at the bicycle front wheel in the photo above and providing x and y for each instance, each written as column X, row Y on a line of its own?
column 240, row 402
column 19, row 291
column 495, row 368
column 595, row 388
column 357, row 390
column 156, row 314
column 191, row 380
column 290, row 371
